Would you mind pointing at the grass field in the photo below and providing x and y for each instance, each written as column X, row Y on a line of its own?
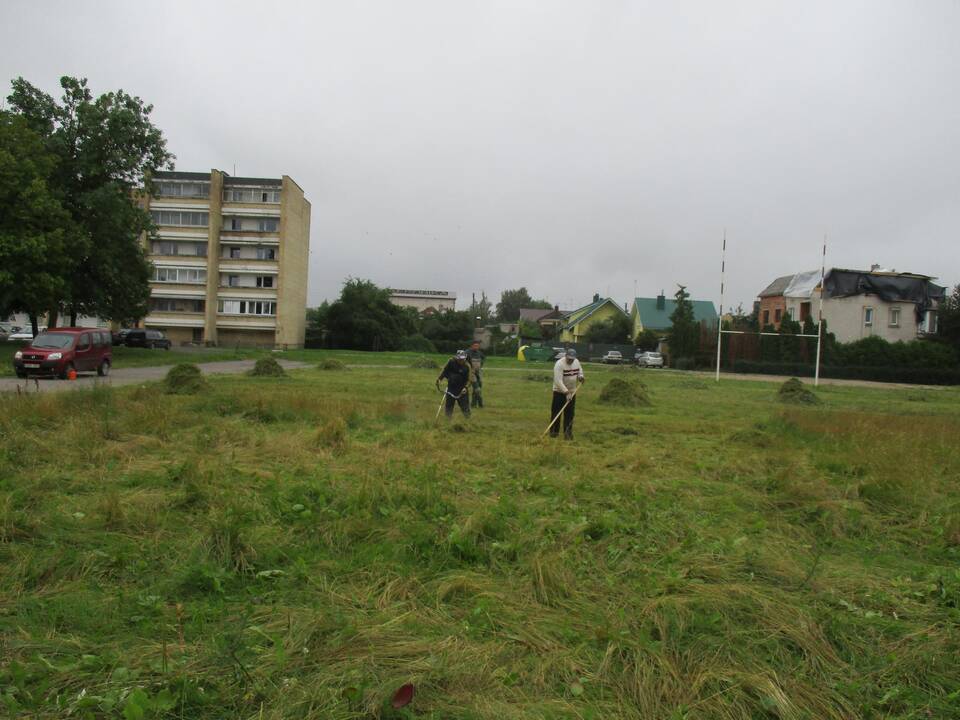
column 302, row 547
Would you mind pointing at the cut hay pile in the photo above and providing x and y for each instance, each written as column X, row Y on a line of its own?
column 626, row 393
column 267, row 367
column 184, row 379
column 538, row 377
column 331, row 364
column 425, row 363
column 794, row 391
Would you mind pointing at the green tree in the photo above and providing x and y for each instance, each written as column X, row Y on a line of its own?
column 448, row 330
column 316, row 333
column 508, row 309
column 789, row 343
column 482, row 309
column 948, row 319
column 647, row 340
column 34, row 226
column 105, row 147
column 365, row 319
column 684, row 331
column 610, row 331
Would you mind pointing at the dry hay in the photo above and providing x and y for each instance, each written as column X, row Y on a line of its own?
column 184, row 379
column 794, row 391
column 267, row 367
column 425, row 363
column 626, row 393
column 331, row 364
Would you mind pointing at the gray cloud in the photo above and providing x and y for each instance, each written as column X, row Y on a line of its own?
column 570, row 147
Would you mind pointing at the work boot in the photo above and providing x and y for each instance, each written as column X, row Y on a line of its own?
column 568, row 434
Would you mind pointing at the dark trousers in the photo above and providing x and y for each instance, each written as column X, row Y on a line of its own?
column 476, row 396
column 463, row 401
column 559, row 399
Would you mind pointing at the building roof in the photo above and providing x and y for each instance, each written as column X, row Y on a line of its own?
column 654, row 318
column 177, row 175
column 228, row 180
column 776, row 287
column 538, row 314
column 590, row 310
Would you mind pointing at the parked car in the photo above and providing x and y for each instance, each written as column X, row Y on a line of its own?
column 147, row 339
column 23, row 334
column 613, row 357
column 649, row 359
column 120, row 336
column 58, row 351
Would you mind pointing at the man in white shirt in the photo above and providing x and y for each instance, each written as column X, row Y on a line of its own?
column 567, row 378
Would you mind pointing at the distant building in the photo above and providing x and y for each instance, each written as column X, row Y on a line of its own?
column 229, row 259
column 654, row 313
column 857, row 303
column 424, row 301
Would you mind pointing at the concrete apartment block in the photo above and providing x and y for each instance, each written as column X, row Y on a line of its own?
column 230, row 259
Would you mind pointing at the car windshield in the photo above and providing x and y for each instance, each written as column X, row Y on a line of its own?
column 53, row 340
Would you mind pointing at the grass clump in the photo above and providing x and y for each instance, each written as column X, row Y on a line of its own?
column 538, row 377
column 794, row 391
column 626, row 393
column 184, row 379
column 267, row 367
column 425, row 363
column 333, row 435
column 331, row 364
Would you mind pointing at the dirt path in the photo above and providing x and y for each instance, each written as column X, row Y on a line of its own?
column 131, row 376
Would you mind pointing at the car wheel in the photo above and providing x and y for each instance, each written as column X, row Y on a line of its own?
column 166, row 347
column 66, row 371
column 104, row 368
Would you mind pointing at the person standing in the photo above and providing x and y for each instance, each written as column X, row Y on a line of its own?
column 567, row 378
column 458, row 374
column 476, row 358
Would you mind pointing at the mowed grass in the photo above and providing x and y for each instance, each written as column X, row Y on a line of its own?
column 301, row 547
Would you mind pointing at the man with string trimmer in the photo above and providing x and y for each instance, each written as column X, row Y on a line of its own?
column 458, row 375
column 567, row 378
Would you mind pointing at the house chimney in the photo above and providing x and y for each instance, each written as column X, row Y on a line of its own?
column 661, row 301
column 596, row 297
column 874, row 267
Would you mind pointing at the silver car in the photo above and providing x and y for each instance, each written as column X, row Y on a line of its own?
column 649, row 359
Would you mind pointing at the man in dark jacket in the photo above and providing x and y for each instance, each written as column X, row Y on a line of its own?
column 458, row 375
column 476, row 358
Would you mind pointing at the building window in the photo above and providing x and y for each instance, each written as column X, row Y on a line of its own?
column 181, row 189
column 175, row 248
column 248, row 307
column 177, row 305
column 233, row 281
column 268, row 225
column 190, row 276
column 868, row 317
column 234, row 253
column 894, row 317
column 265, row 253
column 766, row 317
column 180, row 218
column 251, row 195
column 197, row 335
column 264, row 281
column 777, row 315
column 929, row 324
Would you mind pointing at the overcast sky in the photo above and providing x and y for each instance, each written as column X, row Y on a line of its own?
column 572, row 147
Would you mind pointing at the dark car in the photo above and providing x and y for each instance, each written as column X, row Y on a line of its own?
column 60, row 350
column 147, row 339
column 119, row 336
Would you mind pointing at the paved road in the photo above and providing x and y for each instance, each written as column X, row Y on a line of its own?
column 132, row 376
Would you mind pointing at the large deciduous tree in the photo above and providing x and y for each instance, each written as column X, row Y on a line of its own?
column 508, row 309
column 365, row 319
column 105, row 148
column 34, row 227
column 948, row 319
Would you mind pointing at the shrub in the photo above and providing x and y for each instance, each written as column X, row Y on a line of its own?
column 184, row 379
column 267, row 367
column 922, row 376
column 684, row 363
column 794, row 391
column 627, row 393
column 425, row 363
column 331, row 364
column 417, row 343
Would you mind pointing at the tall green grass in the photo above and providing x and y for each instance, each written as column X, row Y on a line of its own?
column 302, row 549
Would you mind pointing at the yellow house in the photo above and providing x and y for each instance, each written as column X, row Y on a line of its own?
column 577, row 323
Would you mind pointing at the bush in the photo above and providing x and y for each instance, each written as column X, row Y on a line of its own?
column 267, row 367
column 684, row 363
column 184, row 379
column 920, row 376
column 417, row 343
column 331, row 364
column 627, row 393
column 794, row 391
column 425, row 363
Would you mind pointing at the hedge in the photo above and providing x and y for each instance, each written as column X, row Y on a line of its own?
column 913, row 375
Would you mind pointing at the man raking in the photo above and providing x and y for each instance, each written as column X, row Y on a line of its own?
column 567, row 378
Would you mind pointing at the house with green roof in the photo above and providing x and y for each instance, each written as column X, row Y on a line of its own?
column 654, row 313
column 578, row 322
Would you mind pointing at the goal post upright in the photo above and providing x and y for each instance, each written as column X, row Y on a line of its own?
column 723, row 268
column 823, row 272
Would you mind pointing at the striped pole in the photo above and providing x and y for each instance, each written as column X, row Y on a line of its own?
column 823, row 272
column 723, row 269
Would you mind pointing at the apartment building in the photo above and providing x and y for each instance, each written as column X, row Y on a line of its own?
column 230, row 259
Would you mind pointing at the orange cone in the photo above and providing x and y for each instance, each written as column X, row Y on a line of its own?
column 72, row 375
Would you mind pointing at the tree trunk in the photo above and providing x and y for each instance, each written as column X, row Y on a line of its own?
column 73, row 317
column 33, row 324
column 52, row 319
